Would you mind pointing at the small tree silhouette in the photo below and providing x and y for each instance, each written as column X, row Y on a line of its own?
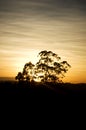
column 28, row 71
column 47, row 69
column 19, row 76
column 27, row 74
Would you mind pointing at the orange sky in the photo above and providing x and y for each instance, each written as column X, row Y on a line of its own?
column 28, row 27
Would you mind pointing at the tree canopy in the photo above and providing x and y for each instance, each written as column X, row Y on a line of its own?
column 49, row 68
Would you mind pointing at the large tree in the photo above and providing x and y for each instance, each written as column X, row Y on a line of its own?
column 49, row 68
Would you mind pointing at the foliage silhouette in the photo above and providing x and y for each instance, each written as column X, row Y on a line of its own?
column 19, row 76
column 28, row 71
column 47, row 69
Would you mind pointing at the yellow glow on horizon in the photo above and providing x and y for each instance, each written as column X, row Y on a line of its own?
column 13, row 67
column 14, row 62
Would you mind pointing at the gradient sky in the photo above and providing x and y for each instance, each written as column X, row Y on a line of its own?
column 29, row 26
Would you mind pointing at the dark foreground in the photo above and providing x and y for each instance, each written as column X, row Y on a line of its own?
column 40, row 101
column 47, row 96
column 33, row 89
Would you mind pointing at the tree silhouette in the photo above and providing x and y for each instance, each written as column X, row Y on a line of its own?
column 28, row 71
column 47, row 69
column 19, row 76
column 27, row 74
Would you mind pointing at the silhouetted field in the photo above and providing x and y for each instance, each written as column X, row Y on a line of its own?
column 14, row 88
column 50, row 96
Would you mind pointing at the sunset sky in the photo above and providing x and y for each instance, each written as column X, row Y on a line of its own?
column 30, row 26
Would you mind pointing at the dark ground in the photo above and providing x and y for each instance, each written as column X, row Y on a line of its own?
column 50, row 97
column 13, row 88
column 56, row 103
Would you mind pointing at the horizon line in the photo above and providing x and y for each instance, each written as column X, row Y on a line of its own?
column 13, row 79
